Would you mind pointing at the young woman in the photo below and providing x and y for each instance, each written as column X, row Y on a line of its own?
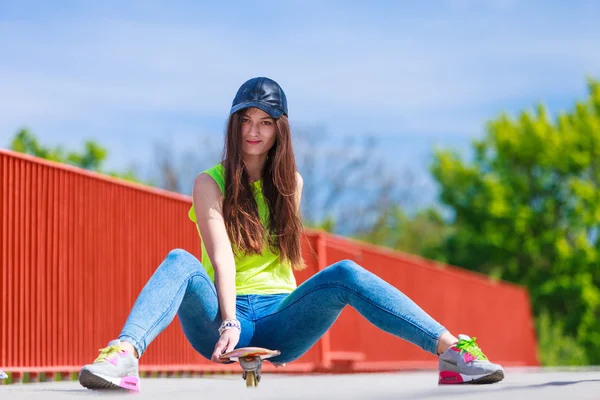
column 244, row 294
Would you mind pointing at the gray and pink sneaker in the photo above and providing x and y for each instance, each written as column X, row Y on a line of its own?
column 115, row 368
column 465, row 363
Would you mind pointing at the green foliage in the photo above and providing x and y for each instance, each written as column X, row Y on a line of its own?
column 92, row 158
column 527, row 209
column 555, row 347
column 327, row 225
column 420, row 234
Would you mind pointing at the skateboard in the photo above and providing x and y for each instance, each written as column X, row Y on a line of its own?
column 251, row 359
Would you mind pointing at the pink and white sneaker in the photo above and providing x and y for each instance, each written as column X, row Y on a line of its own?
column 465, row 363
column 115, row 368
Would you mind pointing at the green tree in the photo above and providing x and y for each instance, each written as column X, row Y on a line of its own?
column 92, row 157
column 422, row 233
column 527, row 209
column 326, row 225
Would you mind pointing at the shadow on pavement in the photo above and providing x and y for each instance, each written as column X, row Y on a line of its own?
column 453, row 390
column 540, row 385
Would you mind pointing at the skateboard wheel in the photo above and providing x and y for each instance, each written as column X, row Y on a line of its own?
column 251, row 379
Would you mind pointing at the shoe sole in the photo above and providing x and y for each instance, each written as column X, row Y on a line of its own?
column 95, row 382
column 492, row 378
column 455, row 378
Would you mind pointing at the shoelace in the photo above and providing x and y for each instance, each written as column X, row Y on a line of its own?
column 107, row 352
column 471, row 347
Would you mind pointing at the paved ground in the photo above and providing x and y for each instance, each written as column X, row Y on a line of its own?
column 518, row 384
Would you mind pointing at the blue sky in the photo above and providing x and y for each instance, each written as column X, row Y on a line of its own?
column 131, row 73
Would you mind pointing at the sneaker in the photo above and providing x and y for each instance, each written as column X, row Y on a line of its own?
column 465, row 363
column 115, row 368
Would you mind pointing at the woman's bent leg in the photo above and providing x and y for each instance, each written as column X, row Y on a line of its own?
column 302, row 318
column 179, row 285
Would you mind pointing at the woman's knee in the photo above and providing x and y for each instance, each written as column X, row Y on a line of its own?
column 180, row 254
column 346, row 270
column 181, row 262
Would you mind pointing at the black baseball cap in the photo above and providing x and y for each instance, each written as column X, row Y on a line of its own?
column 262, row 93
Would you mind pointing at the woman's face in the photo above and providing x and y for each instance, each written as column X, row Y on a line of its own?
column 258, row 132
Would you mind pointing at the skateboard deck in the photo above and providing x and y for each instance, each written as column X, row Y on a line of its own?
column 236, row 354
column 251, row 360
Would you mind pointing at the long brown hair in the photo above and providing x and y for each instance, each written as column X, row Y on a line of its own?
column 240, row 211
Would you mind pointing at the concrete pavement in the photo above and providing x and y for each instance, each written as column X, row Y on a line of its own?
column 519, row 384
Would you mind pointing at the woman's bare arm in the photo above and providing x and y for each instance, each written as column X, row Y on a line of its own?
column 299, row 190
column 208, row 202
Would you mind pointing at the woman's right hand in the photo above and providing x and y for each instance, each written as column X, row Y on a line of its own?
column 227, row 342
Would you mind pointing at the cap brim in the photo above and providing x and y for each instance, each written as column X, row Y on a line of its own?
column 269, row 109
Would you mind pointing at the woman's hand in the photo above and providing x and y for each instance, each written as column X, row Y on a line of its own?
column 229, row 339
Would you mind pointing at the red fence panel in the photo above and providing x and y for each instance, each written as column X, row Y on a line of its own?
column 497, row 313
column 77, row 247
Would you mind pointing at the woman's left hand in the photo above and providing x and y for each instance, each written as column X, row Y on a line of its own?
column 227, row 342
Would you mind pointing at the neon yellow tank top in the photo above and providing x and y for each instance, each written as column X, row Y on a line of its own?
column 255, row 273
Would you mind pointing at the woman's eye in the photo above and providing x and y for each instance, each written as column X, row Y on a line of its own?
column 245, row 120
column 267, row 122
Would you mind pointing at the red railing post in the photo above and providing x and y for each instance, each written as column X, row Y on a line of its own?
column 324, row 345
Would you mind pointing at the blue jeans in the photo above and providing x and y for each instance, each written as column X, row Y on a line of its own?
column 291, row 323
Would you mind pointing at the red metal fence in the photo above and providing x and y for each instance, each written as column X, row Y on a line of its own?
column 77, row 247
